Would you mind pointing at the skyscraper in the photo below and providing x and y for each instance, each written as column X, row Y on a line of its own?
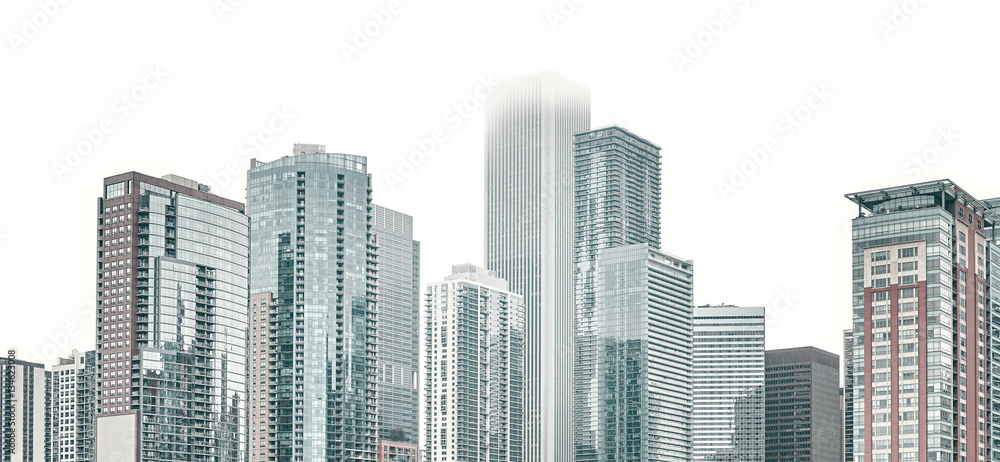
column 644, row 329
column 926, row 270
column 313, row 287
column 617, row 203
column 530, row 123
column 474, row 393
column 171, row 322
column 24, row 402
column 73, row 392
column 802, row 405
column 398, row 326
column 728, row 383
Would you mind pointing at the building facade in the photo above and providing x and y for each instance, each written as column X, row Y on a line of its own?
column 73, row 390
column 474, row 361
column 728, row 406
column 644, row 330
column 530, row 123
column 925, row 273
column 25, row 411
column 313, row 288
column 171, row 322
column 398, row 326
column 802, row 405
column 848, row 397
column 617, row 203
column 392, row 451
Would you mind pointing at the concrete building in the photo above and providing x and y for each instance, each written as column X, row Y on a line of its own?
column 644, row 334
column 728, row 383
column 171, row 322
column 474, row 361
column 73, row 390
column 802, row 405
column 530, row 123
column 617, row 203
column 25, row 411
column 926, row 299
column 314, row 319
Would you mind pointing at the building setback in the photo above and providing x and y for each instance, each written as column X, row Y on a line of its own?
column 171, row 322
column 644, row 315
column 398, row 326
column 73, row 388
column 474, row 363
column 25, row 402
column 926, row 274
column 802, row 405
column 617, row 203
column 728, row 422
column 530, row 123
column 313, row 286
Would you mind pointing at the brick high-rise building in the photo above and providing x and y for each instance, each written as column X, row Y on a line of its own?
column 171, row 360
column 926, row 301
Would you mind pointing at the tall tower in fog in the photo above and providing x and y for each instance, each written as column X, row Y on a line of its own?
column 530, row 123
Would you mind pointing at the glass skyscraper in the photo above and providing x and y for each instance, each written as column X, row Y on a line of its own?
column 728, row 383
column 616, row 203
column 313, row 285
column 530, row 123
column 474, row 363
column 926, row 270
column 171, row 322
column 398, row 326
column 644, row 309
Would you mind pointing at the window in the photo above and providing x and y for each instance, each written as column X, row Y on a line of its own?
column 880, row 256
column 908, row 280
column 880, row 283
column 880, row 269
column 907, row 252
column 908, row 266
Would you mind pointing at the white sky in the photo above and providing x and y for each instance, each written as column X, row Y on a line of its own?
column 784, row 231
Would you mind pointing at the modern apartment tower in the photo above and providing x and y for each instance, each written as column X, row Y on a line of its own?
column 728, row 383
column 848, row 415
column 926, row 273
column 171, row 322
column 313, row 288
column 644, row 330
column 530, row 123
column 398, row 326
column 474, row 363
column 24, row 402
column 73, row 390
column 616, row 203
column 802, row 405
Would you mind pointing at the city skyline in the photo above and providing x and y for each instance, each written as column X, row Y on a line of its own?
column 204, row 97
column 227, row 298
